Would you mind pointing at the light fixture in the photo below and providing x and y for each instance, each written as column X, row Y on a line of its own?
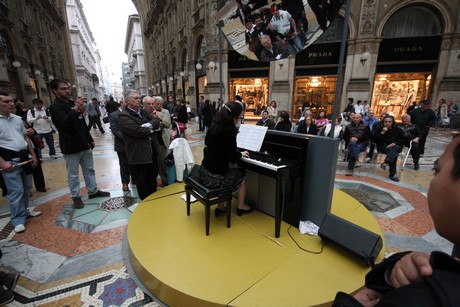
column 212, row 66
column 37, row 72
column 163, row 82
column 51, row 77
column 158, row 84
column 198, row 66
column 364, row 58
column 314, row 82
column 16, row 63
column 171, row 79
column 182, row 73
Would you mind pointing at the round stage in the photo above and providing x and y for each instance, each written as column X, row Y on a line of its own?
column 244, row 265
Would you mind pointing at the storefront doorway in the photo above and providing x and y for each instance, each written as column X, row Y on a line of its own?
column 394, row 93
column 254, row 92
column 315, row 92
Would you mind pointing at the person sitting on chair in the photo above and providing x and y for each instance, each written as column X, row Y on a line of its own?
column 356, row 135
column 266, row 121
column 389, row 140
column 411, row 133
column 220, row 151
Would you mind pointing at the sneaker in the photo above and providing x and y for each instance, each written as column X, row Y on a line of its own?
column 19, row 228
column 6, row 296
column 416, row 167
column 99, row 193
column 9, row 280
column 77, row 203
column 368, row 160
column 383, row 166
column 53, row 156
column 349, row 172
column 395, row 179
column 357, row 164
column 35, row 213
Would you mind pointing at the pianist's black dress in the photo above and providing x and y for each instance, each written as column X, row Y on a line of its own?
column 219, row 152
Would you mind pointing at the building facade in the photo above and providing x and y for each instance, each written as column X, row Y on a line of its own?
column 89, row 81
column 134, row 70
column 34, row 48
column 397, row 52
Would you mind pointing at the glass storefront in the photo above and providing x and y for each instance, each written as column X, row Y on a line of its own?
column 315, row 92
column 394, row 93
column 254, row 92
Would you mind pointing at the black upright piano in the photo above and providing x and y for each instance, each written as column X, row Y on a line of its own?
column 274, row 176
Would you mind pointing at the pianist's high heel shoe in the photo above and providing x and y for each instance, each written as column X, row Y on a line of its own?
column 219, row 211
column 240, row 212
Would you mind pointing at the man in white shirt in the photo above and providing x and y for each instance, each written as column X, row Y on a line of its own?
column 39, row 117
column 16, row 147
column 285, row 25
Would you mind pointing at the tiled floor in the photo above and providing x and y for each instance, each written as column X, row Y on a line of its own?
column 74, row 257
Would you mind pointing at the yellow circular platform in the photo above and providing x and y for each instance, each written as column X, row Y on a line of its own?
column 244, row 265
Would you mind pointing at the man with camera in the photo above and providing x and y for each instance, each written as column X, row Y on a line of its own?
column 75, row 141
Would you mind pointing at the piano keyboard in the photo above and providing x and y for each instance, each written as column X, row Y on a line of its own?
column 270, row 166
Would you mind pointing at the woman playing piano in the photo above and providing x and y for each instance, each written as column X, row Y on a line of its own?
column 221, row 150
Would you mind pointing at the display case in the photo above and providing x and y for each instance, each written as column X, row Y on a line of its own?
column 317, row 93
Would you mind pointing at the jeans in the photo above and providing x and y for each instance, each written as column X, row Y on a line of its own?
column 85, row 160
column 49, row 141
column 19, row 185
column 354, row 149
column 392, row 157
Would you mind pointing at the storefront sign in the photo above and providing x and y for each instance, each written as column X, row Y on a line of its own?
column 319, row 54
column 236, row 60
column 410, row 48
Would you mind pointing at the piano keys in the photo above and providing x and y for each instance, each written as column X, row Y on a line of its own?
column 274, row 176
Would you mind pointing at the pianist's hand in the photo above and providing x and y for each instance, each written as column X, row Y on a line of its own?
column 245, row 154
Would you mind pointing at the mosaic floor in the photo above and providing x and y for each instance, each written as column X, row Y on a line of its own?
column 72, row 257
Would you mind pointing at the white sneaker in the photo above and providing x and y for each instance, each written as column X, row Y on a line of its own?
column 34, row 213
column 19, row 228
column 53, row 156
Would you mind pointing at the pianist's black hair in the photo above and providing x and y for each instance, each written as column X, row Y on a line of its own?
column 225, row 119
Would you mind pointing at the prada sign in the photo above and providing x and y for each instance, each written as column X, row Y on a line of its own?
column 409, row 49
column 319, row 54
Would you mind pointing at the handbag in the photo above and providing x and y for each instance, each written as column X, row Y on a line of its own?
column 105, row 119
column 169, row 159
column 38, row 143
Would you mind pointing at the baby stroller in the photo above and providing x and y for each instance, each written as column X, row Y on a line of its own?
column 177, row 130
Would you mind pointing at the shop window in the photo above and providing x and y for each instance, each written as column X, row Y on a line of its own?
column 316, row 92
column 413, row 21
column 394, row 93
column 253, row 91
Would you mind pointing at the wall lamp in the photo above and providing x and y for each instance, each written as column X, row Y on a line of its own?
column 198, row 66
column 16, row 63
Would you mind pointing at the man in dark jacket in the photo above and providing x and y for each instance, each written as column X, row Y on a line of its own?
column 119, row 146
column 75, row 141
column 272, row 51
column 357, row 135
column 141, row 143
column 390, row 141
column 424, row 117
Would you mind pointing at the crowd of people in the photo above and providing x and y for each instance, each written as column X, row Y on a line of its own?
column 362, row 131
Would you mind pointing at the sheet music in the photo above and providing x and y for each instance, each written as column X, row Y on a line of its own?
column 251, row 137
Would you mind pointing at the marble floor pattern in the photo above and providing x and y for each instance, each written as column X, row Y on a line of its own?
column 72, row 257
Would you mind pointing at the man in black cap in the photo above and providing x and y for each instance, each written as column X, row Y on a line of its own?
column 424, row 117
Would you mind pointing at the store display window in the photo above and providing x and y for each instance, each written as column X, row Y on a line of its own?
column 394, row 93
column 316, row 92
column 254, row 92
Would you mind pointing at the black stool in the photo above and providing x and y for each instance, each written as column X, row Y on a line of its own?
column 208, row 197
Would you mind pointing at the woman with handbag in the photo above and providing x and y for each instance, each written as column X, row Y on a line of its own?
column 39, row 178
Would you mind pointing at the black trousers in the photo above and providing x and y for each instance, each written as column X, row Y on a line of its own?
column 124, row 167
column 146, row 177
column 93, row 121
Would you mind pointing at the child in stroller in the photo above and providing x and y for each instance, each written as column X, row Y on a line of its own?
column 177, row 130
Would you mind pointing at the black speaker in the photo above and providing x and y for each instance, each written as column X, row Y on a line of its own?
column 356, row 240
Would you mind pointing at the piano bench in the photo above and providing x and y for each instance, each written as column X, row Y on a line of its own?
column 208, row 197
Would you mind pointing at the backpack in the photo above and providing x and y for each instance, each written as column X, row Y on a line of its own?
column 32, row 111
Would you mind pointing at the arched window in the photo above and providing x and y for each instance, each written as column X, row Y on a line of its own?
column 413, row 21
column 333, row 32
column 6, row 46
